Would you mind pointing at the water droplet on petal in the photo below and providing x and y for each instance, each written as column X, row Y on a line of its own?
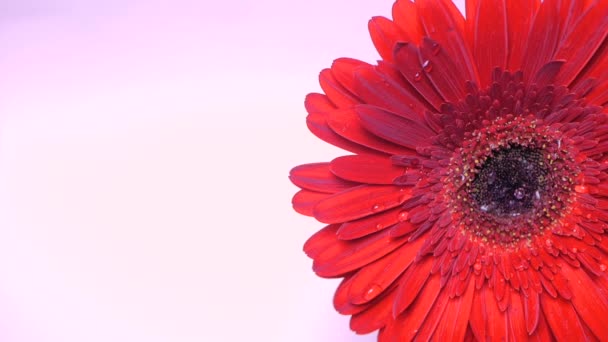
column 403, row 216
column 603, row 267
column 379, row 226
column 377, row 207
column 436, row 48
column 477, row 267
column 372, row 292
column 581, row 189
column 417, row 76
column 426, row 65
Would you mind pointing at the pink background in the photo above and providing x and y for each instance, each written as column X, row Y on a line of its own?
column 144, row 153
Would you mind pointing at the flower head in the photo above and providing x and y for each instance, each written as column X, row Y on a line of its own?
column 474, row 204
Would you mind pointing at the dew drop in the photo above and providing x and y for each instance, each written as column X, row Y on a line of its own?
column 377, row 207
column 403, row 216
column 436, row 48
column 603, row 267
column 372, row 292
column 574, row 250
column 519, row 193
column 491, row 177
column 426, row 65
column 477, row 267
column 581, row 189
column 417, row 77
column 379, row 226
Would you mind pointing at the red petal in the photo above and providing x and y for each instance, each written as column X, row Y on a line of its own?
column 377, row 89
column 439, row 66
column 375, row 317
column 479, row 315
column 590, row 300
column 444, row 24
column 405, row 16
column 364, row 226
column 359, row 202
column 487, row 30
column 520, row 16
column 411, row 285
column 543, row 332
column 454, row 323
column 384, row 35
column 496, row 319
column 407, row 60
column 343, row 70
column 337, row 94
column 346, row 256
column 373, row 279
column 543, row 38
column 318, row 106
column 546, row 75
column 342, row 303
column 346, row 124
column 394, row 128
column 317, row 177
column 366, row 169
column 431, row 321
column 593, row 26
column 321, row 240
column 563, row 319
column 516, row 318
column 531, row 311
column 412, row 319
column 304, row 201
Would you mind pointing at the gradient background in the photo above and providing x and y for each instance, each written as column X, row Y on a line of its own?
column 144, row 154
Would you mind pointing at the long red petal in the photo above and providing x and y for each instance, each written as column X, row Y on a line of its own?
column 304, row 201
column 370, row 224
column 346, row 124
column 412, row 282
column 488, row 36
column 339, row 259
column 394, row 128
column 318, row 106
column 373, row 279
column 384, row 35
column 444, row 24
column 590, row 300
column 359, row 202
column 516, row 318
column 317, row 177
column 593, row 26
column 543, row 38
column 405, row 16
column 366, row 169
column 454, row 323
column 412, row 319
column 520, row 15
column 407, row 60
column 563, row 319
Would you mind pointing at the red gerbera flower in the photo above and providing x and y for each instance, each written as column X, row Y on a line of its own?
column 475, row 205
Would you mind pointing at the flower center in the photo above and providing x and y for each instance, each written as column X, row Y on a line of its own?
column 510, row 181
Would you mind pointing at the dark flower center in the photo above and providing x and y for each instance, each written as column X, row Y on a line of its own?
column 510, row 181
